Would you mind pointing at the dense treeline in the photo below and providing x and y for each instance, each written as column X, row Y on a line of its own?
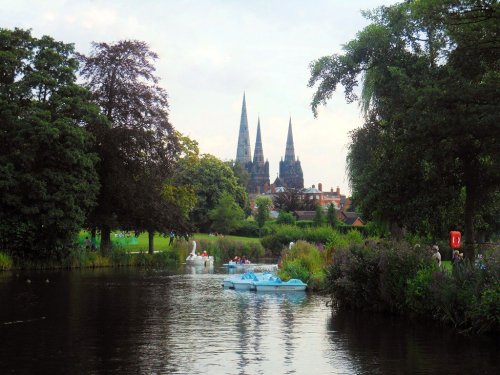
column 100, row 155
column 427, row 158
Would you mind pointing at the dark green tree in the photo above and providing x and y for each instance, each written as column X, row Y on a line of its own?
column 331, row 216
column 431, row 126
column 140, row 148
column 227, row 215
column 263, row 205
column 210, row 178
column 47, row 177
column 319, row 216
column 289, row 200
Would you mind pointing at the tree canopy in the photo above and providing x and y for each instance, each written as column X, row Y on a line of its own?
column 210, row 178
column 139, row 149
column 430, row 79
column 47, row 177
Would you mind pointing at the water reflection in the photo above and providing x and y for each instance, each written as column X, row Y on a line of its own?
column 381, row 344
column 131, row 321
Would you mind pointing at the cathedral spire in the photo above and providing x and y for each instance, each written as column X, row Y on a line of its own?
column 290, row 151
column 243, row 153
column 258, row 154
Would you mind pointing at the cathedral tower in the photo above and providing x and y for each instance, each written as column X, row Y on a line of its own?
column 259, row 170
column 290, row 169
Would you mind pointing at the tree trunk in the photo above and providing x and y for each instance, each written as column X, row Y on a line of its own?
column 93, row 240
column 151, row 235
column 469, row 223
column 105, row 240
column 471, row 183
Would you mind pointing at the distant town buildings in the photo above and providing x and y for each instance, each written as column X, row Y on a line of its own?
column 290, row 169
column 290, row 174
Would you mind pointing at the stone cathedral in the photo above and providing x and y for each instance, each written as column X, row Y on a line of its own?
column 290, row 170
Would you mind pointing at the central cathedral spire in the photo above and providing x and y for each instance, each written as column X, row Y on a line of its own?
column 258, row 154
column 289, row 151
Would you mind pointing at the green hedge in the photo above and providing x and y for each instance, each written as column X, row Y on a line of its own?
column 401, row 278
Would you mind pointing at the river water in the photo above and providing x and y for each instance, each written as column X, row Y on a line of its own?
column 135, row 321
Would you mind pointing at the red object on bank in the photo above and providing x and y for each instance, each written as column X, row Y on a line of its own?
column 455, row 239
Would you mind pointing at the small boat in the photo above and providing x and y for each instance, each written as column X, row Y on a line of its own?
column 245, row 281
column 199, row 260
column 233, row 264
column 274, row 283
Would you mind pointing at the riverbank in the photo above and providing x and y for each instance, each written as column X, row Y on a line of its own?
column 130, row 250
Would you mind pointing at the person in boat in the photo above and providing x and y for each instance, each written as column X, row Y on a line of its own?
column 204, row 254
column 243, row 260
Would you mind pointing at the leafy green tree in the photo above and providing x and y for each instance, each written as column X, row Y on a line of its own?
column 48, row 180
column 430, row 79
column 210, row 178
column 227, row 215
column 319, row 216
column 139, row 150
column 263, row 204
column 331, row 216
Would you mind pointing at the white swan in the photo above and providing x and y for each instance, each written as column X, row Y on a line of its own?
column 199, row 260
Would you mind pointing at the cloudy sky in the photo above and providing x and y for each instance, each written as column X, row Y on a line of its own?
column 211, row 51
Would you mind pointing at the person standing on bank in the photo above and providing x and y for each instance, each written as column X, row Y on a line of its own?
column 172, row 236
column 437, row 254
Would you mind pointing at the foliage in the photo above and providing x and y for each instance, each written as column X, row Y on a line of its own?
column 48, row 180
column 289, row 200
column 304, row 262
column 263, row 205
column 5, row 262
column 286, row 218
column 319, row 216
column 210, row 178
column 227, row 215
column 331, row 216
column 140, row 148
column 247, row 228
column 224, row 249
column 398, row 277
column 374, row 276
column 430, row 77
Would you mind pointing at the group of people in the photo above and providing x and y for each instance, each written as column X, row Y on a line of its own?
column 457, row 257
column 242, row 260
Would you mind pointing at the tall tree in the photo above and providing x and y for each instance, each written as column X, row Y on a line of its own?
column 227, row 215
column 263, row 205
column 432, row 122
column 47, row 176
column 210, row 178
column 140, row 148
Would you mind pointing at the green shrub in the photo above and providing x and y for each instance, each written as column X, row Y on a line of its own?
column 223, row 249
column 305, row 262
column 305, row 223
column 398, row 277
column 5, row 262
column 374, row 277
column 247, row 228
column 286, row 218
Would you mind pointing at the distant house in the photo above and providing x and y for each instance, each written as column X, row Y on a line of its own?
column 305, row 215
column 351, row 218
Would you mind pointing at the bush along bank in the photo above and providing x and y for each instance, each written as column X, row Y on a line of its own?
column 398, row 278
column 83, row 258
column 305, row 262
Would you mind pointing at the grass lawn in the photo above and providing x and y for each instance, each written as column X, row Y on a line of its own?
column 446, row 265
column 140, row 243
